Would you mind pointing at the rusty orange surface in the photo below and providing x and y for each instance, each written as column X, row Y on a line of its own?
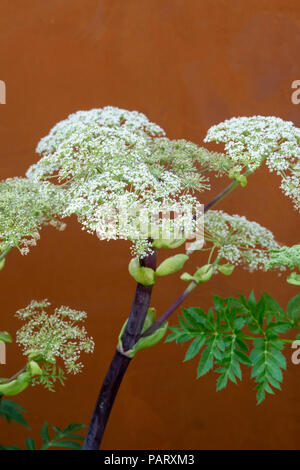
column 186, row 64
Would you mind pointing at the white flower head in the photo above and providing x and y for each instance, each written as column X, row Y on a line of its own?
column 238, row 240
column 110, row 157
column 249, row 141
column 25, row 206
column 55, row 336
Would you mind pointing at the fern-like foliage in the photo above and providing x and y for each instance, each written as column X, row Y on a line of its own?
column 221, row 338
column 59, row 439
column 12, row 411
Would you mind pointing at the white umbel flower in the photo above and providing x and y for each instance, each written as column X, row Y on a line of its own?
column 110, row 158
column 238, row 240
column 249, row 141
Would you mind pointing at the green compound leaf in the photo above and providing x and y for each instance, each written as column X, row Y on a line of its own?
column 12, row 411
column 267, row 364
column 220, row 338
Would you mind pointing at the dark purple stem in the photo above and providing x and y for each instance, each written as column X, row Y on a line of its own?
column 131, row 335
column 221, row 195
column 170, row 310
column 119, row 363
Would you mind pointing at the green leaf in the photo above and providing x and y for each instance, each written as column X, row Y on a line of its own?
column 30, row 444
column 5, row 337
column 45, row 433
column 12, row 411
column 207, row 358
column 267, row 364
column 194, row 348
column 68, row 445
column 243, row 358
column 293, row 308
column 252, row 301
column 219, row 303
column 72, row 427
column 221, row 330
column 278, row 327
column 273, row 307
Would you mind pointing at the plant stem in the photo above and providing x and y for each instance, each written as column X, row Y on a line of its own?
column 170, row 310
column 131, row 335
column 224, row 193
column 119, row 363
column 17, row 374
column 221, row 195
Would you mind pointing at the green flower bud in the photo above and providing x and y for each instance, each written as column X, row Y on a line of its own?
column 187, row 277
column 15, row 386
column 242, row 179
column 36, row 357
column 34, row 369
column 204, row 273
column 226, row 269
column 142, row 275
column 168, row 244
column 171, row 265
column 5, row 337
column 294, row 279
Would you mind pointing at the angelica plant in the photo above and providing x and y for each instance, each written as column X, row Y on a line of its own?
column 46, row 341
column 221, row 337
column 117, row 170
column 250, row 141
column 287, row 256
column 25, row 207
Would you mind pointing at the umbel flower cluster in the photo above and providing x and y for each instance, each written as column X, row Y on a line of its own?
column 285, row 256
column 238, row 240
column 111, row 160
column 47, row 337
column 25, row 206
column 249, row 141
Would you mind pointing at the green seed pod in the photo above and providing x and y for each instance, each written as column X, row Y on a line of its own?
column 294, row 279
column 34, row 369
column 5, row 337
column 204, row 273
column 142, row 275
column 2, row 263
column 16, row 386
column 226, row 269
column 171, row 265
column 187, row 277
column 168, row 244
